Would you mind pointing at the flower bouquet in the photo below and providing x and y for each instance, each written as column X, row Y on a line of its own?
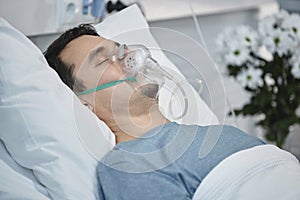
column 266, row 63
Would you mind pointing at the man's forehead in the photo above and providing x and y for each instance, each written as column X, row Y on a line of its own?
column 78, row 49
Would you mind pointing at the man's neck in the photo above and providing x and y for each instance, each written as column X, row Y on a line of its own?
column 129, row 128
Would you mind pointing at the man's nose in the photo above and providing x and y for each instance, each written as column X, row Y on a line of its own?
column 119, row 67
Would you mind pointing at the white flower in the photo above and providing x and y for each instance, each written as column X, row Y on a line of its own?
column 282, row 15
column 295, row 63
column 251, row 78
column 280, row 32
column 266, row 25
column 279, row 42
column 296, row 70
column 271, row 24
column 235, row 44
column 286, row 44
column 292, row 25
column 237, row 54
column 296, row 56
column 222, row 40
column 248, row 36
column 269, row 80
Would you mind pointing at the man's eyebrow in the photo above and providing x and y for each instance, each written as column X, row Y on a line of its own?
column 96, row 52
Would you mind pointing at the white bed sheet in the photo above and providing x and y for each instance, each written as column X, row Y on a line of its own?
column 262, row 172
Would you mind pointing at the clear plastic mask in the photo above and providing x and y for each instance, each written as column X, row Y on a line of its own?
column 140, row 71
column 138, row 63
column 139, row 68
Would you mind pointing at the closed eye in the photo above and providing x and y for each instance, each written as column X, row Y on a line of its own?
column 102, row 62
column 100, row 51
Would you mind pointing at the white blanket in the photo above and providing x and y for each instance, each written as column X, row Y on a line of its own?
column 263, row 172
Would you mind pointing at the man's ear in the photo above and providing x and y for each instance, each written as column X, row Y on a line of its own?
column 86, row 103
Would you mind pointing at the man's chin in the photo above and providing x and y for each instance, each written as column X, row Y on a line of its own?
column 149, row 90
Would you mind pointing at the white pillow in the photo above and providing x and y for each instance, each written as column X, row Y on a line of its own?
column 17, row 182
column 129, row 26
column 39, row 125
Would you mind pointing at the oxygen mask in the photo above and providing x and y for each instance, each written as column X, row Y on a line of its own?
column 139, row 70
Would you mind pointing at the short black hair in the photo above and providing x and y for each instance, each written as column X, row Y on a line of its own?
column 65, row 70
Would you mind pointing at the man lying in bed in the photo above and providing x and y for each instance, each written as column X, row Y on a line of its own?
column 153, row 158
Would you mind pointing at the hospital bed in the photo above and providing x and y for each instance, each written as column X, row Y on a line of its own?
column 51, row 144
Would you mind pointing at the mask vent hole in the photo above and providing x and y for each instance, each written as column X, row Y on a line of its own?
column 130, row 63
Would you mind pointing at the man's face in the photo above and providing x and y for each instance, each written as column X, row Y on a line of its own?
column 89, row 56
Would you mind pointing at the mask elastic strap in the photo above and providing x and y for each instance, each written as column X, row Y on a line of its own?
column 107, row 85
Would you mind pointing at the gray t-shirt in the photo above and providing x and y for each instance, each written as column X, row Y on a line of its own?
column 168, row 162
